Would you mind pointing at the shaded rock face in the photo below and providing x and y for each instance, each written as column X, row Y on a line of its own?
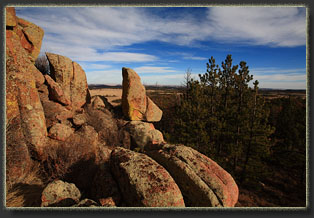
column 202, row 181
column 54, row 112
column 135, row 104
column 144, row 134
column 71, row 78
column 18, row 161
column 55, row 92
column 60, row 194
column 105, row 189
column 153, row 113
column 22, row 99
column 142, row 181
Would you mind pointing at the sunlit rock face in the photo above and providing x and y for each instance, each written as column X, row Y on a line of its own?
column 135, row 104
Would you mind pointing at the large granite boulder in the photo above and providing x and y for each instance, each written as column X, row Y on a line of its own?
column 134, row 100
column 72, row 79
column 135, row 104
column 60, row 194
column 142, row 181
column 202, row 181
column 60, row 132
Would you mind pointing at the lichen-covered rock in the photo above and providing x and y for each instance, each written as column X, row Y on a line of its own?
column 202, row 181
column 60, row 132
column 135, row 104
column 60, row 194
column 142, row 181
column 79, row 119
column 22, row 96
column 71, row 77
column 86, row 203
column 11, row 19
column 18, row 159
column 54, row 112
column 79, row 88
column 153, row 113
column 144, row 134
column 107, row 202
column 39, row 77
column 34, row 35
column 55, row 92
column 61, row 71
column 97, row 102
column 134, row 101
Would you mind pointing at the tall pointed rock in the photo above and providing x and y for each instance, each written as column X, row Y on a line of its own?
column 135, row 104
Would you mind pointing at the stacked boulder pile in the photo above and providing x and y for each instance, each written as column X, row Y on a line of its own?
column 108, row 156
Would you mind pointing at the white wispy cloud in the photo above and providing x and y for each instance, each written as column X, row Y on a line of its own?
column 91, row 66
column 90, row 29
column 281, row 77
column 274, row 26
column 152, row 69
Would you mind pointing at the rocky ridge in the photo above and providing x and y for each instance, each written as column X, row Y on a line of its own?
column 91, row 154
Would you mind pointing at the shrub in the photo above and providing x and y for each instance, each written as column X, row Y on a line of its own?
column 42, row 64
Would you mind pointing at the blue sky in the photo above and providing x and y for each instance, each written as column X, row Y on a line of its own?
column 161, row 43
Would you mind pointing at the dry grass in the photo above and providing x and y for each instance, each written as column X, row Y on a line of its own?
column 28, row 193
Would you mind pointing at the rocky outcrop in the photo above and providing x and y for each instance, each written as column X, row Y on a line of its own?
column 60, row 194
column 22, row 98
column 135, row 104
column 142, row 181
column 71, row 78
column 202, row 181
column 113, row 161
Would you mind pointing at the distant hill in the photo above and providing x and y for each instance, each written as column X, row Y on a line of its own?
column 104, row 86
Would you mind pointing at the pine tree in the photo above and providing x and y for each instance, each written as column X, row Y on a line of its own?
column 221, row 116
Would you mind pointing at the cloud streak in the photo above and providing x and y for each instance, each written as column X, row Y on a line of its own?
column 109, row 28
column 101, row 38
column 151, row 69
